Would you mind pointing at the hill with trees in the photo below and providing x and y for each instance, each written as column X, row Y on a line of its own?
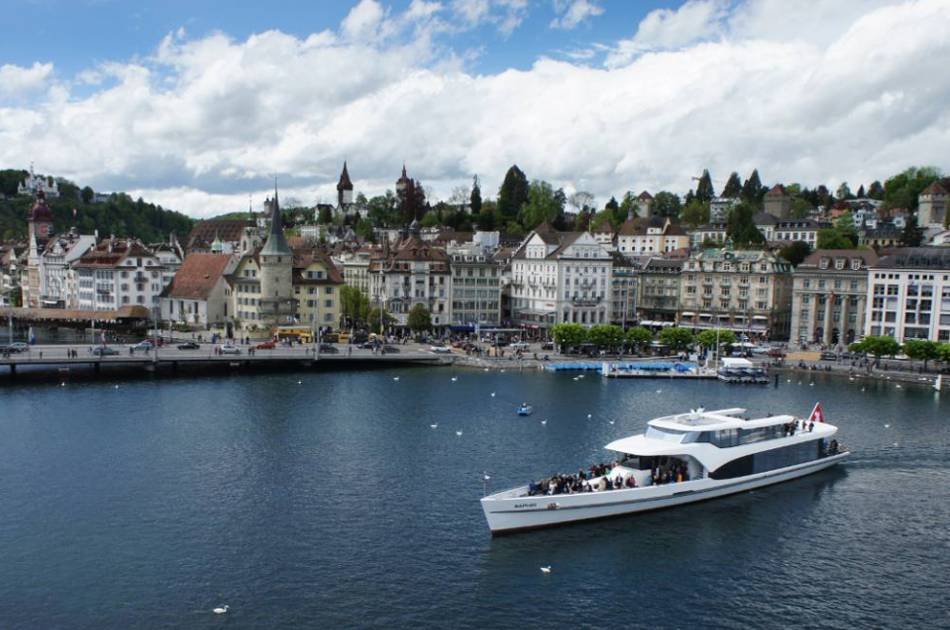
column 76, row 207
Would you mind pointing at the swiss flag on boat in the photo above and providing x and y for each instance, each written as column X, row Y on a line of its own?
column 817, row 414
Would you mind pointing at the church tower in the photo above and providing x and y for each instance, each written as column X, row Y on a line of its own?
column 40, row 227
column 277, row 304
column 344, row 190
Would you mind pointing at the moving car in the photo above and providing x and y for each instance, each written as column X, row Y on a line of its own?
column 328, row 348
column 16, row 346
column 390, row 350
column 189, row 345
column 440, row 350
column 265, row 345
column 103, row 351
column 145, row 345
column 229, row 349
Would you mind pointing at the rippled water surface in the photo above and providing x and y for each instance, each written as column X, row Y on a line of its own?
column 330, row 502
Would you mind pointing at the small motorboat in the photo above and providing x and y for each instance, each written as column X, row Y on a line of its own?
column 525, row 409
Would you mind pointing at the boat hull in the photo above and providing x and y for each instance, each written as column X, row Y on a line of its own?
column 510, row 514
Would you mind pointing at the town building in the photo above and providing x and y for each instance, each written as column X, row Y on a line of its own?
column 884, row 236
column 932, row 206
column 559, row 277
column 476, row 287
column 909, row 290
column 659, row 296
column 746, row 291
column 55, row 264
column 782, row 233
column 708, row 233
column 116, row 273
column 720, row 207
column 317, row 283
column 277, row 305
column 624, row 280
column 226, row 236
column 829, row 297
column 654, row 235
column 355, row 268
column 644, row 205
column 413, row 272
column 39, row 230
column 199, row 295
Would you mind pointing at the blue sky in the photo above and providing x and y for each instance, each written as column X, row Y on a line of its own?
column 79, row 33
column 196, row 105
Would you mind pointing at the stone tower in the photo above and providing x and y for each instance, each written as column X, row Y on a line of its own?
column 344, row 189
column 932, row 206
column 277, row 304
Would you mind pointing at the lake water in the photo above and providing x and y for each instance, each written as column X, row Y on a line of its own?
column 330, row 502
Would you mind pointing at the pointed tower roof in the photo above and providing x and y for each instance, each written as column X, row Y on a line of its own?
column 344, row 183
column 276, row 244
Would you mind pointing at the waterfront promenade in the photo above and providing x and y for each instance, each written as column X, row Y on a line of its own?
column 72, row 357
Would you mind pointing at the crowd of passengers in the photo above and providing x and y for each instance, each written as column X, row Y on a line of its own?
column 789, row 428
column 600, row 477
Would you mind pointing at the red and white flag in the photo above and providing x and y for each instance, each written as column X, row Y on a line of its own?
column 817, row 414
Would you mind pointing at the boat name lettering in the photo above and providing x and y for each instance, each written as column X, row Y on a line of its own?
column 519, row 506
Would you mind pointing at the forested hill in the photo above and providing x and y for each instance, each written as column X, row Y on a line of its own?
column 120, row 214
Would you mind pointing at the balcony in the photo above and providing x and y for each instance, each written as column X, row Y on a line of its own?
column 578, row 301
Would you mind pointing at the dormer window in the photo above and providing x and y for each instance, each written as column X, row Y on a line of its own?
column 839, row 263
column 856, row 264
column 823, row 264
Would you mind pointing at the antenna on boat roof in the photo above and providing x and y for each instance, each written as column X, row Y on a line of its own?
column 485, row 479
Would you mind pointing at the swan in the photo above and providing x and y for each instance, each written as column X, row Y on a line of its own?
column 396, row 378
column 299, row 382
column 455, row 378
column 434, row 426
column 887, row 426
column 611, row 421
column 543, row 422
column 659, row 391
column 589, row 416
column 546, row 569
column 220, row 610
column 458, row 433
column 493, row 394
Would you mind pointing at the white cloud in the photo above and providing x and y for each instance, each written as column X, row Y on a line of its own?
column 205, row 121
column 666, row 29
column 17, row 80
column 363, row 21
column 574, row 12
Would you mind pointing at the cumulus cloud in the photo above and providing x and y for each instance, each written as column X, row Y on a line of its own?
column 203, row 122
column 571, row 13
column 17, row 80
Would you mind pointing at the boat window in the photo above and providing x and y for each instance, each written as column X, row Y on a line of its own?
column 664, row 434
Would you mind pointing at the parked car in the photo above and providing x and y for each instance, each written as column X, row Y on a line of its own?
column 15, row 347
column 367, row 345
column 390, row 350
column 229, row 349
column 144, row 345
column 266, row 345
column 328, row 348
column 330, row 337
column 519, row 345
column 829, row 356
column 440, row 349
column 360, row 337
column 189, row 345
column 103, row 351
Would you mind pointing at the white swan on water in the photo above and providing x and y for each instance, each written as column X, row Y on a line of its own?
column 220, row 610
column 546, row 569
column 458, row 433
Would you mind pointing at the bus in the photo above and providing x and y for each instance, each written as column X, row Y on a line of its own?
column 303, row 334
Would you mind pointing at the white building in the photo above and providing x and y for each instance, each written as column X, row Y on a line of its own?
column 34, row 184
column 909, row 294
column 653, row 235
column 55, row 263
column 719, row 208
column 559, row 277
column 476, row 286
column 199, row 295
column 117, row 273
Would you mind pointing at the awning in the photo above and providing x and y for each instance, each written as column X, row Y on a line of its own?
column 706, row 315
column 760, row 317
column 688, row 313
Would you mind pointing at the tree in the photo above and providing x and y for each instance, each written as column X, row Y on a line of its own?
column 844, row 191
column 845, row 226
column 638, row 337
column 604, row 217
column 733, row 187
column 676, row 338
column 902, row 190
column 912, row 235
column 354, row 306
column 877, row 347
column 752, row 190
column 666, row 204
column 475, row 199
column 628, row 205
column 373, row 319
column 419, row 319
column 430, row 219
column 541, row 206
column 795, row 252
column 740, row 226
column 876, row 190
column 861, row 194
column 581, row 201
column 704, row 187
column 608, row 336
column 569, row 335
column 325, row 215
column 695, row 213
column 801, row 207
column 708, row 338
column 921, row 350
column 513, row 193
column 87, row 195
column 943, row 353
column 832, row 238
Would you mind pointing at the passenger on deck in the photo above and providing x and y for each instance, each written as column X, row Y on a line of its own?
column 631, row 482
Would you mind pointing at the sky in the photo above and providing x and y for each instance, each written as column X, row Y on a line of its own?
column 200, row 105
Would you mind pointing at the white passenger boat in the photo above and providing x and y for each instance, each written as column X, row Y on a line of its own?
column 679, row 459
